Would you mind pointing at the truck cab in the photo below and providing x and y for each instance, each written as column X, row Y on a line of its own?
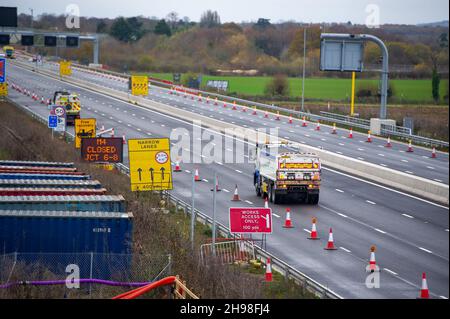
column 283, row 173
column 71, row 104
column 9, row 51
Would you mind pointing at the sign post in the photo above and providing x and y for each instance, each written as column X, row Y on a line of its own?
column 150, row 164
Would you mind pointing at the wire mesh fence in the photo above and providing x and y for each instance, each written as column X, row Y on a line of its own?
column 77, row 275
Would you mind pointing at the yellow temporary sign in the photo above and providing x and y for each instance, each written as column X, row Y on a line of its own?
column 65, row 68
column 84, row 128
column 3, row 89
column 139, row 85
column 150, row 164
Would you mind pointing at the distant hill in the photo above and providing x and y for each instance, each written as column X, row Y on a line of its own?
column 444, row 24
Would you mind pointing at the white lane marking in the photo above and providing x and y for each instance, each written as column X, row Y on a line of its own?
column 148, row 133
column 341, row 144
column 339, row 190
column 205, row 180
column 340, row 153
column 382, row 155
column 384, row 165
column 405, row 161
column 443, row 297
column 345, row 249
column 379, row 230
column 306, row 230
column 360, row 149
column 370, row 202
column 408, row 216
column 342, row 215
column 425, row 250
column 240, row 172
column 390, row 271
column 187, row 171
column 446, row 230
column 249, row 202
column 220, row 163
column 438, row 180
column 323, row 139
column 277, row 216
column 225, row 190
column 361, row 159
column 430, row 167
column 409, row 172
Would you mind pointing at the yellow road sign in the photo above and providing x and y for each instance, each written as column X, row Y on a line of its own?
column 139, row 85
column 150, row 164
column 3, row 89
column 84, row 128
column 65, row 68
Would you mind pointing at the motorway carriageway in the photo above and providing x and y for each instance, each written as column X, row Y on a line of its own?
column 418, row 163
column 411, row 234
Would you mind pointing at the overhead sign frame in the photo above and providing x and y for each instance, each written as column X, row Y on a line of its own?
column 250, row 220
column 342, row 55
column 150, row 164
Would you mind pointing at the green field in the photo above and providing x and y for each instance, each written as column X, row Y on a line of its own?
column 324, row 88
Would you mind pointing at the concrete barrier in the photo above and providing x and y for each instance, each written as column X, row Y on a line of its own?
column 415, row 185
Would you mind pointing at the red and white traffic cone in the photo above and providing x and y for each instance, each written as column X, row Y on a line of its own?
column 277, row 118
column 318, row 126
column 334, row 129
column 224, row 105
column 424, row 292
column 236, row 195
column 304, row 124
column 330, row 245
column 290, row 119
column 372, row 261
column 266, row 114
column 254, row 110
column 244, row 109
column 269, row 277
column 410, row 148
column 350, row 133
column 288, row 222
column 207, row 100
column 433, row 153
column 266, row 203
column 388, row 144
column 369, row 137
column 234, row 106
column 197, row 176
column 200, row 98
column 217, row 186
column 171, row 91
column 112, row 132
column 177, row 166
column 313, row 235
column 216, row 102
column 124, row 141
column 102, row 128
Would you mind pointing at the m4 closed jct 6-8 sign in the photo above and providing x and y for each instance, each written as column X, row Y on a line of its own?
column 102, row 150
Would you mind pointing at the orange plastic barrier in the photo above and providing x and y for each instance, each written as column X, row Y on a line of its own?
column 142, row 290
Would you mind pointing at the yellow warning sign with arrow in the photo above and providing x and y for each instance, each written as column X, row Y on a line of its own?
column 65, row 68
column 139, row 85
column 150, row 164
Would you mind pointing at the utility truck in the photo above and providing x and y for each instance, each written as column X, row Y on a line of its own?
column 284, row 173
column 71, row 104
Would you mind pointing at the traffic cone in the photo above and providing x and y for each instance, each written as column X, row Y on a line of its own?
column 388, row 144
column 236, row 195
column 268, row 271
column 244, row 109
column 288, row 222
column 254, row 110
column 199, row 97
column 177, row 166
column 224, row 105
column 217, row 186
column 266, row 115
column 433, row 153
column 234, row 106
column 216, row 102
column 124, row 141
column 278, row 116
column 290, row 119
column 410, row 148
column 304, row 122
column 42, row 100
column 266, row 203
column 330, row 245
column 424, row 293
column 102, row 128
column 369, row 137
column 318, row 126
column 313, row 235
column 207, row 100
column 350, row 134
column 112, row 132
column 334, row 129
column 197, row 176
column 372, row 261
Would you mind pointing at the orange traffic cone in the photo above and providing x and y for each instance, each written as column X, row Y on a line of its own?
column 224, row 105
column 372, row 261
column 290, row 119
column 304, row 124
column 433, row 153
column 42, row 100
column 197, row 176
column 217, row 186
column 318, row 126
column 278, row 116
column 268, row 271
column 266, row 203
column 388, row 144
column 266, row 115
column 207, row 100
column 350, row 134
column 330, row 245
column 244, row 109
column 369, row 137
column 216, row 102
column 313, row 234
column 236, row 195
column 200, row 98
column 334, row 129
column 424, row 293
column 410, row 148
column 124, row 141
column 112, row 132
column 288, row 222
column 254, row 110
column 234, row 106
column 177, row 166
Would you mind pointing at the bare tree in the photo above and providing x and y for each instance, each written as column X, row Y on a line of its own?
column 210, row 19
column 172, row 19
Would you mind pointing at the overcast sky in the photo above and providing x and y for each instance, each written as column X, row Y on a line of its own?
column 391, row 11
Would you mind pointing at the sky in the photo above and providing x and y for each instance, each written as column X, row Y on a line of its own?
column 390, row 11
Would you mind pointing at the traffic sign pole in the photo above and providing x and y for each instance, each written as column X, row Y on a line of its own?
column 193, row 210
column 214, row 216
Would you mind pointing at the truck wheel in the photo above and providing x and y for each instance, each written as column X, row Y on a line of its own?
column 313, row 199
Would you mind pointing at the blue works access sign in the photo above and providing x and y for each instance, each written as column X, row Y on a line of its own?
column 52, row 121
column 2, row 70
